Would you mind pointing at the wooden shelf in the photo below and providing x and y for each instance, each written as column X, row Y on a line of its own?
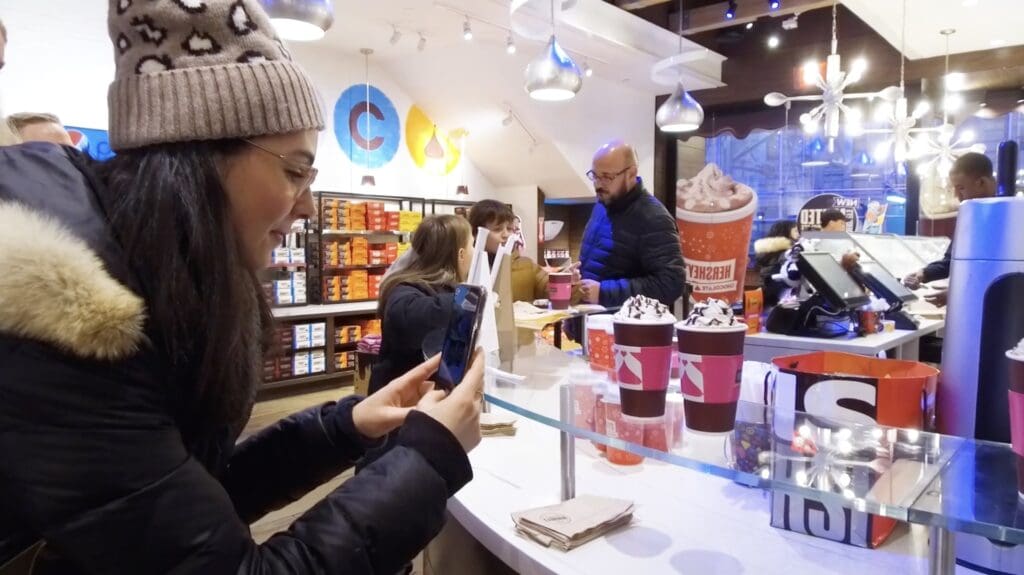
column 306, row 379
column 343, row 268
column 282, row 266
column 361, row 307
column 329, row 232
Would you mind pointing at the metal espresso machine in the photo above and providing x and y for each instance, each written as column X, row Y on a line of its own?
column 985, row 318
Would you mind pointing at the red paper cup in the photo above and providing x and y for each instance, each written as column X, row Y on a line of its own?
column 711, row 368
column 584, row 402
column 599, row 420
column 600, row 336
column 643, row 360
column 1016, row 401
column 658, row 433
column 560, row 290
column 619, row 426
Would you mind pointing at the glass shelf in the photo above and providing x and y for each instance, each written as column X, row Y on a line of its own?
column 908, row 475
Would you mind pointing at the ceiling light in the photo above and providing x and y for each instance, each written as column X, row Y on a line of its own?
column 894, row 198
column 750, row 26
column 730, row 12
column 773, row 42
column 368, row 182
column 462, row 190
column 587, row 70
column 300, row 20
column 467, row 30
column 774, row 4
column 680, row 113
column 553, row 76
column 396, row 35
column 952, row 102
column 967, row 136
column 422, row 43
column 433, row 149
column 791, row 23
column 956, row 81
column 507, row 120
column 510, row 44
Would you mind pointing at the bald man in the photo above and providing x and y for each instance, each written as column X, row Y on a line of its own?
column 631, row 244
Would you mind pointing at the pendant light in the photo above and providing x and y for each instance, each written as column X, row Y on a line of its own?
column 368, row 180
column 553, row 76
column 681, row 112
column 433, row 150
column 300, row 20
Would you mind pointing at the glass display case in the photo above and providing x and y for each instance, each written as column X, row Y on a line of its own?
column 929, row 249
column 895, row 256
column 945, row 483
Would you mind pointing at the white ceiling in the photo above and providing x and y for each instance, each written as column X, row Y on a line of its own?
column 979, row 24
column 472, row 84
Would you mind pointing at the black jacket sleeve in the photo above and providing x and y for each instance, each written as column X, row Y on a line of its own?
column 661, row 262
column 284, row 462
column 94, row 464
column 938, row 270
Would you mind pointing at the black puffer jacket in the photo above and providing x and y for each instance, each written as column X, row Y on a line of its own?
column 91, row 454
column 411, row 313
column 632, row 247
column 769, row 253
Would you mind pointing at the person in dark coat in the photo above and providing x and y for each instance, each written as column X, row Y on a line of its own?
column 417, row 300
column 133, row 325
column 770, row 253
column 631, row 243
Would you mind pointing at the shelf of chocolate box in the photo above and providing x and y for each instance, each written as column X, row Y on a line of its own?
column 300, row 351
column 346, row 338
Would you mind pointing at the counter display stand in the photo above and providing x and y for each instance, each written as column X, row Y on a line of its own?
column 703, row 502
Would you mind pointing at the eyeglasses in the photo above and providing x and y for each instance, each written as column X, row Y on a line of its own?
column 301, row 173
column 596, row 177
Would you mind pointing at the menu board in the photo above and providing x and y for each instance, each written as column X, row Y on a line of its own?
column 887, row 249
column 929, row 249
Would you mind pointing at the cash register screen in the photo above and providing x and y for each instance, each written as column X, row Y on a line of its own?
column 885, row 285
column 829, row 278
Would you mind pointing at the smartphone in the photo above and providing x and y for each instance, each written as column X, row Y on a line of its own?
column 460, row 339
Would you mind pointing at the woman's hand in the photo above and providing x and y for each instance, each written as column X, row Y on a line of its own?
column 385, row 411
column 460, row 411
column 576, row 277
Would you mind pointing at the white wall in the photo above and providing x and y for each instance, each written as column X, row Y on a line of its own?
column 60, row 60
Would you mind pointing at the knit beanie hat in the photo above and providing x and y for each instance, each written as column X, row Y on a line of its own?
column 202, row 70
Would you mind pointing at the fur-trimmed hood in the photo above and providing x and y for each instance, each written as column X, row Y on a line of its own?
column 57, row 258
column 772, row 245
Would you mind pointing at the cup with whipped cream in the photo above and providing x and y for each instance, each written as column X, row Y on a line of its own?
column 710, row 343
column 715, row 215
column 1016, row 401
column 643, row 355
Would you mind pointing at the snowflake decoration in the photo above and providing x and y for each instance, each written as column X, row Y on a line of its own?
column 944, row 150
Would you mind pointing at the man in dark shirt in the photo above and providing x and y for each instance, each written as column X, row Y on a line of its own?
column 971, row 178
column 631, row 243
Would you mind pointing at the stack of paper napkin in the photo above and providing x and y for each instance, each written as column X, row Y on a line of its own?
column 568, row 525
column 492, row 424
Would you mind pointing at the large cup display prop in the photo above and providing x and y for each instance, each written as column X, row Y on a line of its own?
column 710, row 345
column 715, row 215
column 817, row 391
column 643, row 355
column 1016, row 401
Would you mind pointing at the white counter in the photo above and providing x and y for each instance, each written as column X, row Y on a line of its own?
column 906, row 344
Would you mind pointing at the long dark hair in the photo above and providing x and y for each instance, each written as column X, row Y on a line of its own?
column 435, row 245
column 206, row 310
column 781, row 229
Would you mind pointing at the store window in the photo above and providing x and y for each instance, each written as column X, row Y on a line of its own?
column 787, row 167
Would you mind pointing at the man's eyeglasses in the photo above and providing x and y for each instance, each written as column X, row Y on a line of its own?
column 301, row 173
column 596, row 177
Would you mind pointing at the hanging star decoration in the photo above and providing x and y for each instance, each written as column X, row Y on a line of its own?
column 833, row 96
column 944, row 150
column 903, row 144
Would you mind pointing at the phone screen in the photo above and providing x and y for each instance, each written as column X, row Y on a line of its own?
column 460, row 339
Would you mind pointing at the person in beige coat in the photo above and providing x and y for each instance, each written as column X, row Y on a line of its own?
column 529, row 280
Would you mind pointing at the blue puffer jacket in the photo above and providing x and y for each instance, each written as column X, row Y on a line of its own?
column 632, row 247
